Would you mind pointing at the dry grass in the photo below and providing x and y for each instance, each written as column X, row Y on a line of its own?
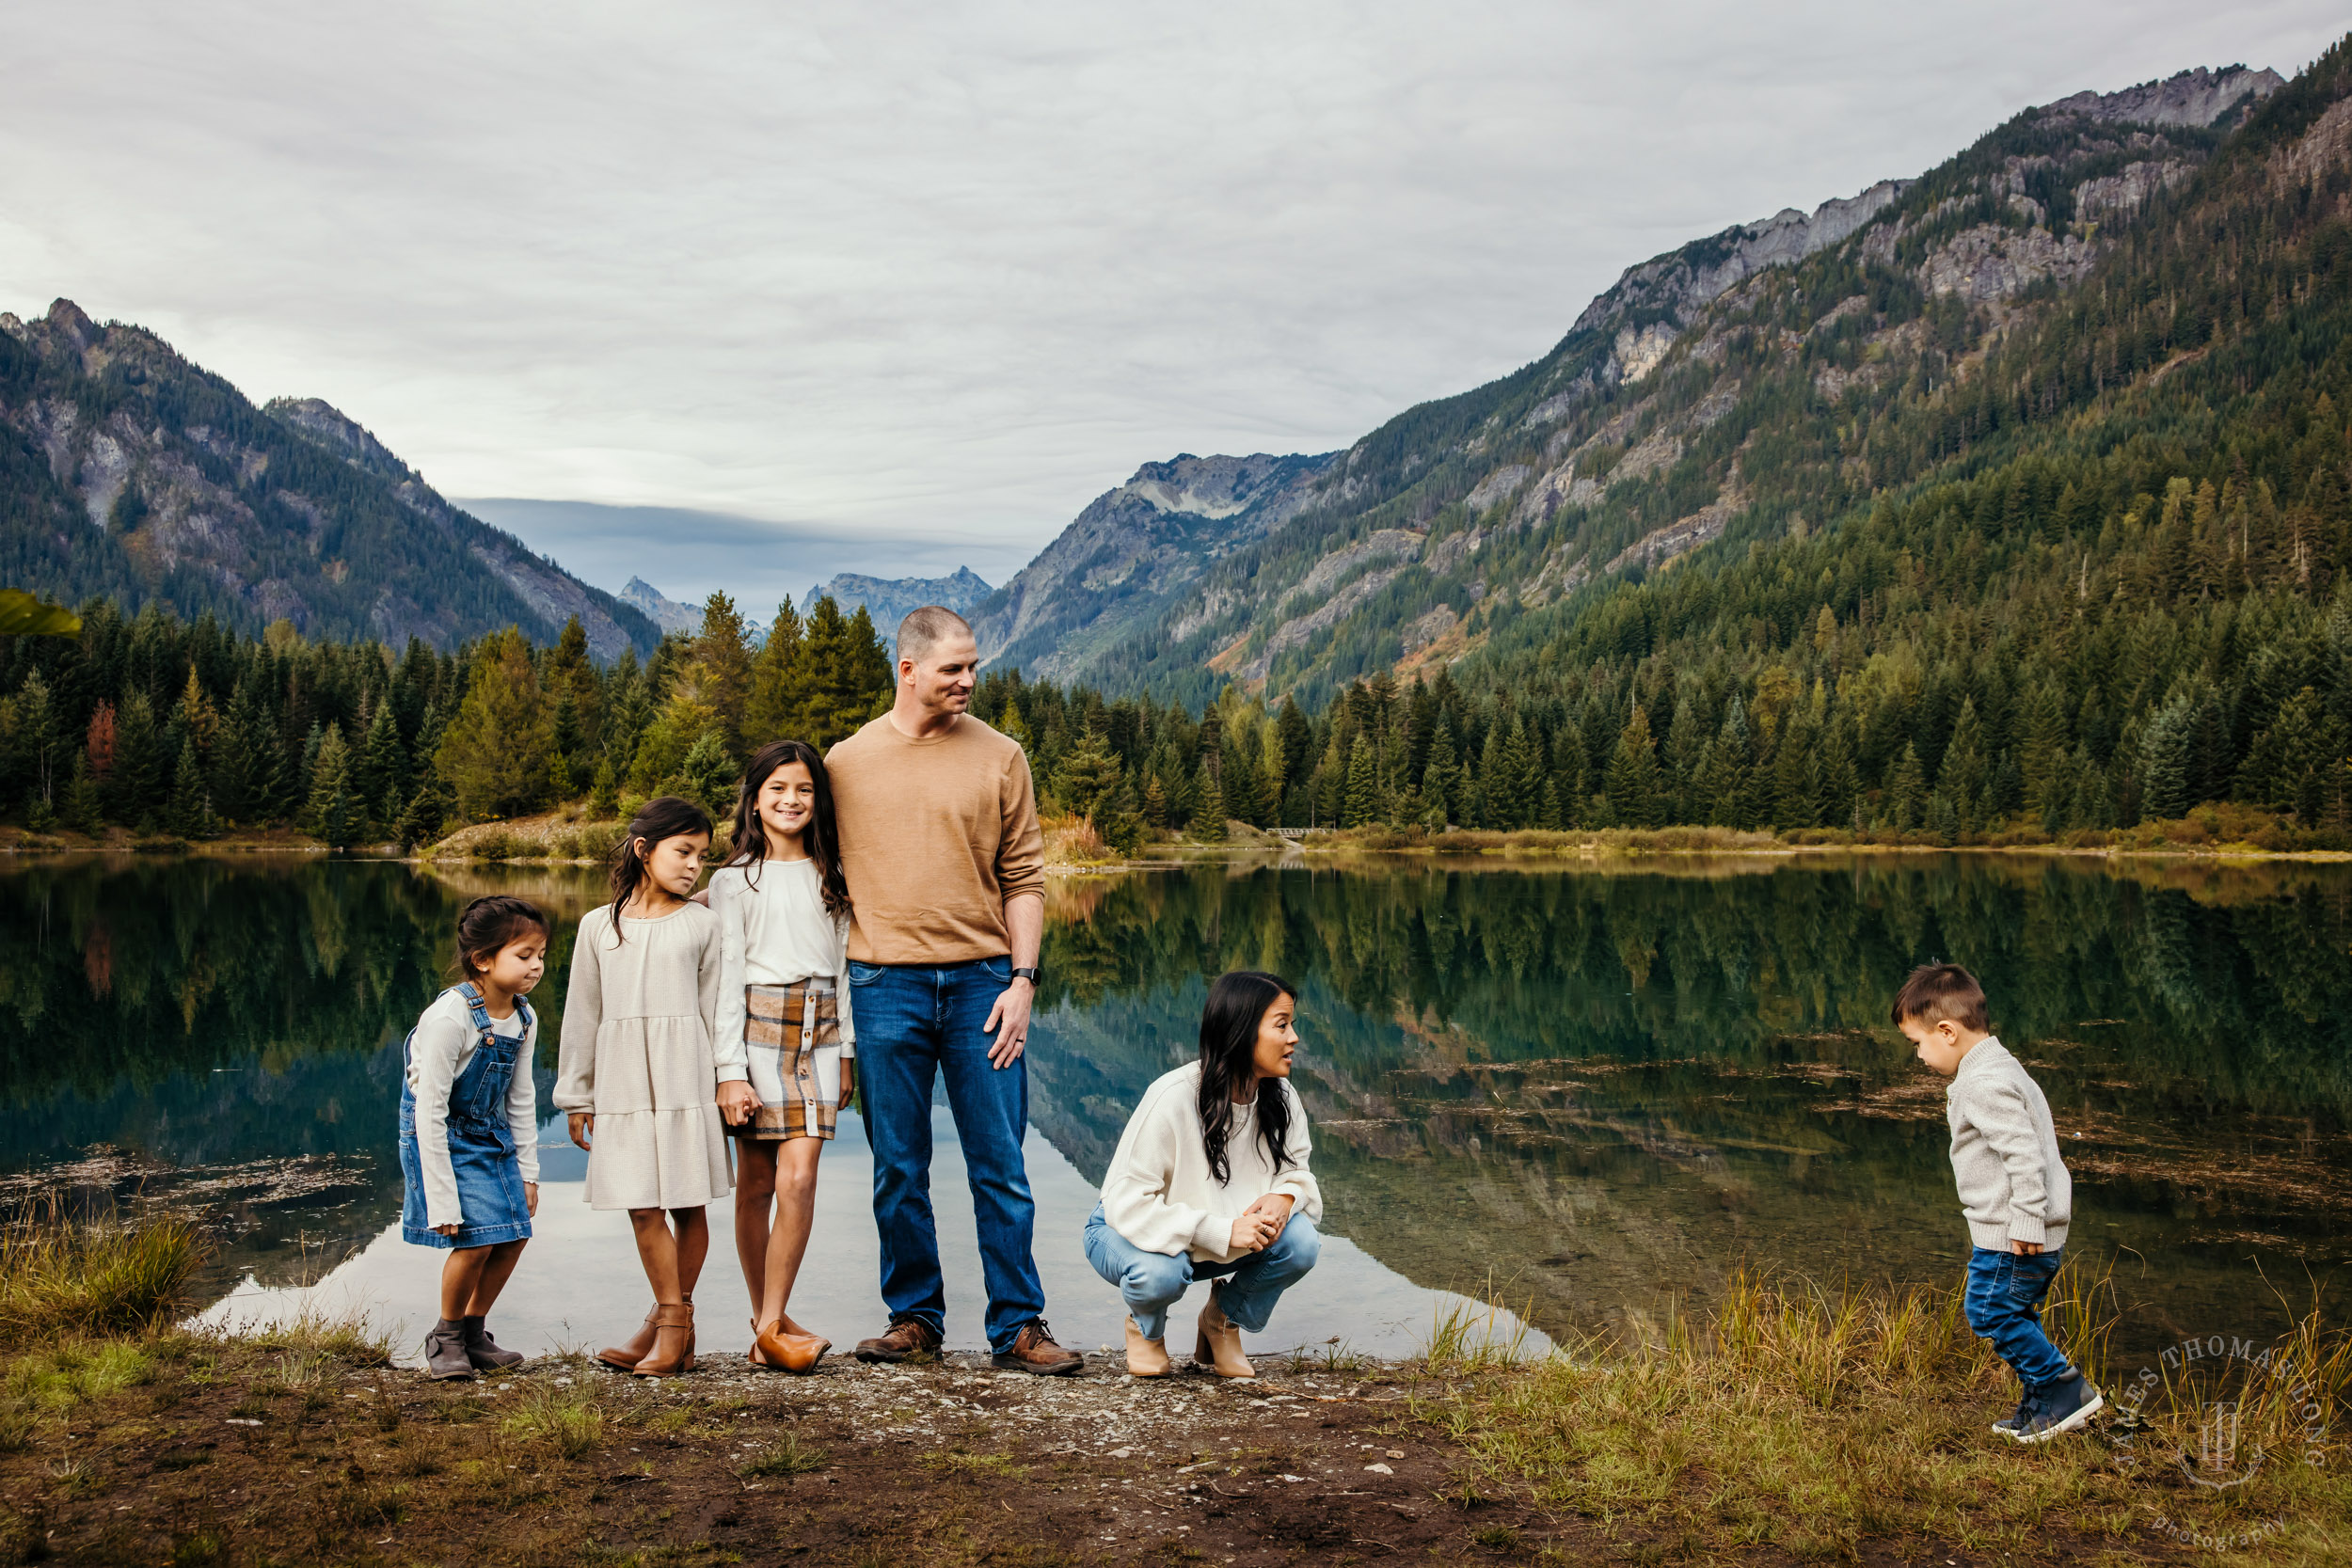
column 61, row 1277
column 554, row 837
column 1072, row 841
column 1810, row 1421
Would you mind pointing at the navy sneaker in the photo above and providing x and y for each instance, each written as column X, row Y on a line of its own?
column 2007, row 1426
column 2063, row 1407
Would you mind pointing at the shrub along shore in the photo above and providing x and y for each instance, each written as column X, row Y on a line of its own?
column 1791, row 1423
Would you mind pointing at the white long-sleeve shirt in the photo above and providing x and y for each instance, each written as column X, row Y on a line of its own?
column 444, row 1043
column 773, row 934
column 1159, row 1193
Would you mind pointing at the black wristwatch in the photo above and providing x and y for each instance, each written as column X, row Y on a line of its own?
column 1028, row 974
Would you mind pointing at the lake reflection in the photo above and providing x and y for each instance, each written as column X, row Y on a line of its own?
column 1599, row 1089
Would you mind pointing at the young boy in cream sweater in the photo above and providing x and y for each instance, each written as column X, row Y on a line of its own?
column 2013, row 1188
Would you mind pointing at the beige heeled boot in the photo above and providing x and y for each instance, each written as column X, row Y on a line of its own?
column 1219, row 1350
column 1144, row 1357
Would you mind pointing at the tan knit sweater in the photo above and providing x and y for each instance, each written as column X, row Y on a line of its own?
column 936, row 834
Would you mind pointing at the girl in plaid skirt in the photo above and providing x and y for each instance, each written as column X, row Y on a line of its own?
column 785, row 1044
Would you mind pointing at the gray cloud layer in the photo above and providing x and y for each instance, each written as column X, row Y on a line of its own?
column 943, row 273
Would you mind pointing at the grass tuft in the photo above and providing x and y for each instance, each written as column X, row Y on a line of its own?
column 791, row 1457
column 569, row 1421
column 62, row 1277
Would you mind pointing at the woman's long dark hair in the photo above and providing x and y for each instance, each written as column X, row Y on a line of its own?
column 1229, row 1048
column 663, row 817
column 749, row 849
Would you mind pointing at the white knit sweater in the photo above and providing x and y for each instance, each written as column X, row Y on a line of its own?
column 2014, row 1183
column 1159, row 1193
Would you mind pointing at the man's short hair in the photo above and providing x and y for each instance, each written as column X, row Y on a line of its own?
column 925, row 628
column 1934, row 992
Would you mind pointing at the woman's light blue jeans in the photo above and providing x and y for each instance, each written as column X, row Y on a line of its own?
column 1152, row 1282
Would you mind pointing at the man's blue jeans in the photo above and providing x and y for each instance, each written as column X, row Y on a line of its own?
column 1152, row 1282
column 915, row 1023
column 2004, row 1304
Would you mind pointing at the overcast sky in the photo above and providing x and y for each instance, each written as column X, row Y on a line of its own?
column 920, row 280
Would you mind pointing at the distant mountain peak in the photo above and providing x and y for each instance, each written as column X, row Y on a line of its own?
column 2196, row 98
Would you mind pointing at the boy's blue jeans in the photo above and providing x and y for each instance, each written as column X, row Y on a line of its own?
column 1152, row 1282
column 915, row 1023
column 2004, row 1303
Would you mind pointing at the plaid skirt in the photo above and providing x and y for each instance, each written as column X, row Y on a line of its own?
column 793, row 1036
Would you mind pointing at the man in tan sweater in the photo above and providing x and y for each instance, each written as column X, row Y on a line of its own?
column 946, row 869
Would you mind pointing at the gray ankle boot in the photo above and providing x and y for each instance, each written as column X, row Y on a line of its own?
column 445, row 1351
column 484, row 1352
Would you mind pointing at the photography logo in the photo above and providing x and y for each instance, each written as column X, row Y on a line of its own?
column 2220, row 1407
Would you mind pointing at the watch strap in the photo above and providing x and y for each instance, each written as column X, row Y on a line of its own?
column 1028, row 974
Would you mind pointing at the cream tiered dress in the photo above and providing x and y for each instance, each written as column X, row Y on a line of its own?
column 636, row 1053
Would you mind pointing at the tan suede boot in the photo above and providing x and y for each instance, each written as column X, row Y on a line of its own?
column 1219, row 1350
column 1144, row 1357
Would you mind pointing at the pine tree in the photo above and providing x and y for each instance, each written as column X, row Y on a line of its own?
column 334, row 812
column 1632, row 780
column 493, row 756
column 382, row 771
column 777, row 709
column 1906, row 789
column 135, row 791
column 1959, row 782
column 83, row 807
column 723, row 660
column 421, row 820
column 190, row 811
column 37, row 735
column 1155, row 808
column 1088, row 777
column 604, row 794
column 710, row 775
column 1363, row 803
column 2164, row 761
column 1521, row 784
column 1208, row 811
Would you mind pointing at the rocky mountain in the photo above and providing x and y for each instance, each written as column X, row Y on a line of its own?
column 1719, row 390
column 659, row 608
column 888, row 599
column 126, row 471
column 1116, row 569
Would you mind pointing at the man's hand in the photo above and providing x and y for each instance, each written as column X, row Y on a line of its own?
column 1009, row 1021
column 530, row 1198
column 1275, row 1207
column 2026, row 1249
column 737, row 1101
column 583, row 1125
column 1253, row 1228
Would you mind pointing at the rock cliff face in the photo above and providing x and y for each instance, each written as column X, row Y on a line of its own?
column 126, row 471
column 886, row 600
column 1634, row 442
column 1128, row 554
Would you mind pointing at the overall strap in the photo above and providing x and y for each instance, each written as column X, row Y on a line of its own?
column 477, row 1011
column 524, row 1009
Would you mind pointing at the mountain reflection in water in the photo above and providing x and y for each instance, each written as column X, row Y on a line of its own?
column 1597, row 1089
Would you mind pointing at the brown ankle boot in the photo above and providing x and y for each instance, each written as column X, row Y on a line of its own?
column 625, row 1357
column 673, row 1343
column 1219, row 1349
column 790, row 1352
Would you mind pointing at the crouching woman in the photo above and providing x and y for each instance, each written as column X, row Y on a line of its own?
column 1211, row 1183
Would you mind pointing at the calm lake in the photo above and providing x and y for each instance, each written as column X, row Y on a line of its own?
column 1590, row 1092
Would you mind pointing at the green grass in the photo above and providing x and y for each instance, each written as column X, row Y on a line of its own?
column 1810, row 1421
column 791, row 1457
column 60, row 1278
column 568, row 1419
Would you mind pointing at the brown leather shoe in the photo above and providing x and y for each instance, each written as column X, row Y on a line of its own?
column 673, row 1343
column 1218, row 1350
column 623, row 1357
column 906, row 1339
column 1034, row 1350
column 788, row 1352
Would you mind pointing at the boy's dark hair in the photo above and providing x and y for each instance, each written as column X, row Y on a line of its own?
column 1934, row 992
column 489, row 923
column 663, row 817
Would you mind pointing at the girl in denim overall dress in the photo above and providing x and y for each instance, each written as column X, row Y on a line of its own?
column 470, row 1130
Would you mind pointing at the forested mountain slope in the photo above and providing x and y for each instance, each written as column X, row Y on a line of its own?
column 2014, row 498
column 1742, row 385
column 129, row 473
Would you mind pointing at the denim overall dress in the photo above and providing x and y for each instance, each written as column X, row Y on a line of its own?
column 482, row 1150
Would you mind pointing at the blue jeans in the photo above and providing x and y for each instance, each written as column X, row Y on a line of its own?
column 2004, row 1303
column 1152, row 1282
column 915, row 1023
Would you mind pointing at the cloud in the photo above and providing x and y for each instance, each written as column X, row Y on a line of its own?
column 947, row 270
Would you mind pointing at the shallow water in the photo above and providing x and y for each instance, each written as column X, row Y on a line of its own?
column 1593, row 1093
